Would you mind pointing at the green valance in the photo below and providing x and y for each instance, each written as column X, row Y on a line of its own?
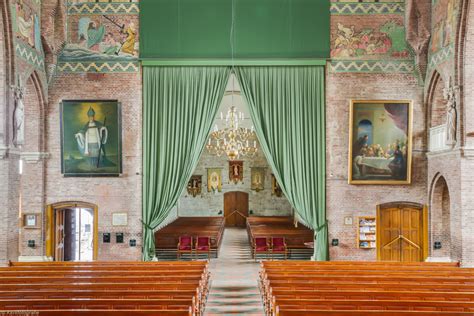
column 263, row 30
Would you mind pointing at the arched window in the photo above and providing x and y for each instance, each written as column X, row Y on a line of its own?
column 365, row 127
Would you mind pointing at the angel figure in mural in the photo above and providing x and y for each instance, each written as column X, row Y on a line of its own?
column 25, row 23
column 91, row 139
column 128, row 46
column 18, row 115
column 449, row 94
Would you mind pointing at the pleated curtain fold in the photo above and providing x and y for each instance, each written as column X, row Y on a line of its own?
column 287, row 106
column 179, row 107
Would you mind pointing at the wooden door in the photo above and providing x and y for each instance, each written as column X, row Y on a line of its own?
column 59, row 234
column 402, row 232
column 236, row 209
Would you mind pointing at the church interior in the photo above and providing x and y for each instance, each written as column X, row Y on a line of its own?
column 237, row 157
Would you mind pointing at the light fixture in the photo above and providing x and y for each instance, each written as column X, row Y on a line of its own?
column 234, row 141
column 335, row 242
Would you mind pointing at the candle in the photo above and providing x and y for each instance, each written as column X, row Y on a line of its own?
column 222, row 115
column 247, row 145
column 209, row 142
column 251, row 130
column 255, row 143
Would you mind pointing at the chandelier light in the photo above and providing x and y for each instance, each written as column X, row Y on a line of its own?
column 234, row 141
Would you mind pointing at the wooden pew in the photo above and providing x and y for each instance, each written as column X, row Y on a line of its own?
column 71, row 287
column 315, row 288
column 296, row 312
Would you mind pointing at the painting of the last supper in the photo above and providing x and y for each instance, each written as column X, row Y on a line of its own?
column 380, row 138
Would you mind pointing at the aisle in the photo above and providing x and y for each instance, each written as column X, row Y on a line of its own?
column 234, row 275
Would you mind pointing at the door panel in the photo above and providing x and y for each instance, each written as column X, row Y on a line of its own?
column 236, row 209
column 400, row 232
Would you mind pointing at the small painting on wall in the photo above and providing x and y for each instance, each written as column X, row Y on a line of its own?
column 236, row 171
column 380, row 142
column 91, row 138
column 194, row 185
column 214, row 180
column 276, row 189
column 257, row 175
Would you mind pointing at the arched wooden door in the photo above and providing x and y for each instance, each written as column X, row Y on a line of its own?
column 402, row 232
column 236, row 209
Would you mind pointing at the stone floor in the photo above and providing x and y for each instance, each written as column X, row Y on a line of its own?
column 234, row 289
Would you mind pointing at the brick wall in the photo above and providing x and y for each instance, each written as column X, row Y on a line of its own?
column 361, row 200
column 112, row 195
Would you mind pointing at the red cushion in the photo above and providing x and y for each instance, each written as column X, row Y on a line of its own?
column 261, row 248
column 260, row 242
column 202, row 242
column 278, row 248
column 185, row 240
column 278, row 241
column 203, row 248
column 185, row 247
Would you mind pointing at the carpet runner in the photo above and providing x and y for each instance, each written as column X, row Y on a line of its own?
column 234, row 275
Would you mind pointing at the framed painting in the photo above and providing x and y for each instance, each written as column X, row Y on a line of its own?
column 214, row 180
column 276, row 189
column 380, row 142
column 91, row 138
column 194, row 185
column 236, row 171
column 257, row 176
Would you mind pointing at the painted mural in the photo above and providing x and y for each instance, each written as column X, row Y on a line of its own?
column 27, row 25
column 102, row 38
column 444, row 24
column 387, row 41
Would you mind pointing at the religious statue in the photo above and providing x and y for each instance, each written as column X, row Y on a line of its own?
column 449, row 94
column 18, row 115
column 92, row 138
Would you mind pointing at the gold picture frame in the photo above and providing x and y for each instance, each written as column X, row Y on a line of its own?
column 380, row 142
column 257, row 176
column 194, row 185
column 214, row 180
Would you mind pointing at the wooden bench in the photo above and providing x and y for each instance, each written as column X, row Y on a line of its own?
column 84, row 288
column 167, row 237
column 318, row 287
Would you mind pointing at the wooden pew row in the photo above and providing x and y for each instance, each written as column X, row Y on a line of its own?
column 374, row 305
column 117, row 264
column 101, row 294
column 263, row 226
column 124, row 285
column 295, row 312
column 102, row 312
column 381, row 279
column 365, row 264
column 155, row 304
column 317, row 286
column 368, row 294
column 168, row 236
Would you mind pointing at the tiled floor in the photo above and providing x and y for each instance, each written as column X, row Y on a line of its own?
column 234, row 275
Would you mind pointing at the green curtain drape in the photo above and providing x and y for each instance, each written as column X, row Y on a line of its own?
column 287, row 105
column 179, row 107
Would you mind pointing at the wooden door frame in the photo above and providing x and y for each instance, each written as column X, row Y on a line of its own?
column 240, row 214
column 422, row 207
column 50, row 226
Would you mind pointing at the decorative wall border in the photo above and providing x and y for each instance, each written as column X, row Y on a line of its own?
column 29, row 54
column 343, row 8
column 102, row 67
column 372, row 66
column 89, row 8
column 441, row 56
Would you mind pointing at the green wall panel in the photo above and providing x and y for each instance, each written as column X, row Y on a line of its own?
column 263, row 29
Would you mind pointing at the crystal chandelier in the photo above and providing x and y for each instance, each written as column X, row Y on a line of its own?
column 233, row 140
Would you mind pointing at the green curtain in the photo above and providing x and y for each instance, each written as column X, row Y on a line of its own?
column 179, row 107
column 287, row 105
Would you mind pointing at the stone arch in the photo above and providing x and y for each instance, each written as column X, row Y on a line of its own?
column 440, row 219
column 436, row 104
column 6, row 70
column 34, row 115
